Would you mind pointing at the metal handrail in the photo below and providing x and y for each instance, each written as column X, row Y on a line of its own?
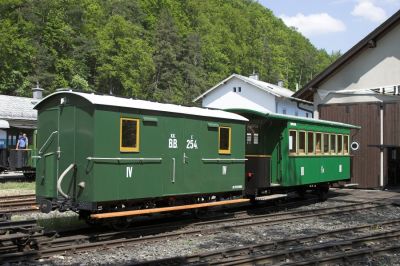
column 223, row 160
column 48, row 139
column 124, row 159
column 60, row 179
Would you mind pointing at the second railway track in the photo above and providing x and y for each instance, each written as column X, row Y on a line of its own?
column 48, row 246
column 18, row 204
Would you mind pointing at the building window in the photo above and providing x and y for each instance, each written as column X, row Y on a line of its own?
column 234, row 89
column 284, row 111
column 318, row 143
column 224, row 140
column 248, row 138
column 325, row 143
column 302, row 142
column 292, row 142
column 129, row 135
column 239, row 89
column 306, row 114
column 310, row 142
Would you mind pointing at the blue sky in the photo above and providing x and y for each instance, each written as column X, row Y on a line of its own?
column 333, row 24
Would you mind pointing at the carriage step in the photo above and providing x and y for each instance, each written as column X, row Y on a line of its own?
column 351, row 185
column 271, row 197
column 275, row 185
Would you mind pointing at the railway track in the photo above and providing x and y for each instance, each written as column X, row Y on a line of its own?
column 18, row 204
column 49, row 246
column 331, row 246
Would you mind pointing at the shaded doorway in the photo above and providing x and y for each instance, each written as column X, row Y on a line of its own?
column 393, row 166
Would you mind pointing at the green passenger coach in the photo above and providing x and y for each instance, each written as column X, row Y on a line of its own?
column 98, row 153
column 288, row 152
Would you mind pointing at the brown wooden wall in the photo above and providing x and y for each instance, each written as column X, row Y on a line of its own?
column 366, row 160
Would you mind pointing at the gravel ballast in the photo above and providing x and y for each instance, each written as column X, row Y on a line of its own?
column 231, row 238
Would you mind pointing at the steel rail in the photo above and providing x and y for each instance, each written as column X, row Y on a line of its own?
column 337, row 251
column 6, row 198
column 253, row 254
column 75, row 243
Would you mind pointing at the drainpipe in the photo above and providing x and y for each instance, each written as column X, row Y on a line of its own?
column 381, row 142
column 305, row 110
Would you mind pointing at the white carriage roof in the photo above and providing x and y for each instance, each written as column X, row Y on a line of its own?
column 17, row 108
column 273, row 89
column 110, row 100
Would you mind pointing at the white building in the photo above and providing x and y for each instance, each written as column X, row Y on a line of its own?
column 240, row 92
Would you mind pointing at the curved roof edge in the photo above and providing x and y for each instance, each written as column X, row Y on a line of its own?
column 295, row 118
column 108, row 100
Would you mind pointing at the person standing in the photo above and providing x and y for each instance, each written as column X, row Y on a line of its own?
column 22, row 143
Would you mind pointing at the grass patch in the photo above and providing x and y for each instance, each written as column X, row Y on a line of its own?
column 18, row 185
column 60, row 222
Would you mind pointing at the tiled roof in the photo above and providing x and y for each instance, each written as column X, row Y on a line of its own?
column 17, row 108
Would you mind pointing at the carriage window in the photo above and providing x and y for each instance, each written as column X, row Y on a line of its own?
column 302, row 142
column 318, row 143
column 248, row 138
column 224, row 140
column 255, row 138
column 333, row 144
column 340, row 144
column 326, row 143
column 292, row 142
column 346, row 144
column 252, row 134
column 129, row 135
column 310, row 142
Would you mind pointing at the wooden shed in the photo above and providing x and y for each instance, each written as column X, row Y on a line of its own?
column 362, row 87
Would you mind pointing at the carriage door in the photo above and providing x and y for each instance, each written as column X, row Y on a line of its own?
column 47, row 144
column 193, row 175
column 66, row 140
column 173, row 160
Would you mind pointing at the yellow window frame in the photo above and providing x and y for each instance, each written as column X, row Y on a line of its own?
column 303, row 140
column 347, row 152
column 321, row 147
column 225, row 151
column 340, row 144
column 308, row 142
column 295, row 140
column 334, row 152
column 129, row 149
column 323, row 143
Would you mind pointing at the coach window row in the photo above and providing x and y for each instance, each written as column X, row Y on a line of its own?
column 303, row 142
column 130, row 129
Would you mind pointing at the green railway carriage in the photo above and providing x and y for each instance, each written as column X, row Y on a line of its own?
column 288, row 152
column 100, row 152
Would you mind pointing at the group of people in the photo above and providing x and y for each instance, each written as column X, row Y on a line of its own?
column 22, row 143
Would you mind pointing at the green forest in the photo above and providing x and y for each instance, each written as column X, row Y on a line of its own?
column 162, row 50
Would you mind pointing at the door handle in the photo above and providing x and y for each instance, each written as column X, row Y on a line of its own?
column 185, row 157
column 173, row 170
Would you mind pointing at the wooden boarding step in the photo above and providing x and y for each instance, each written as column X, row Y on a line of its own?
column 351, row 185
column 166, row 209
column 271, row 197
